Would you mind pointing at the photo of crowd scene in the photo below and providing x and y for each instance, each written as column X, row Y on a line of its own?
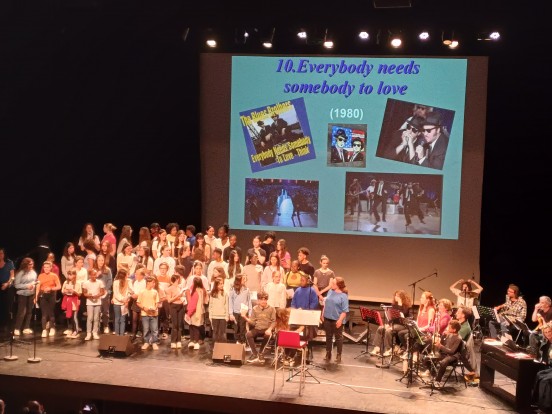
column 281, row 203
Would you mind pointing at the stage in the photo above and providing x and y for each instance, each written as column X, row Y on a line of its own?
column 72, row 372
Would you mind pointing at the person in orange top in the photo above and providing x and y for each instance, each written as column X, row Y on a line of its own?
column 49, row 284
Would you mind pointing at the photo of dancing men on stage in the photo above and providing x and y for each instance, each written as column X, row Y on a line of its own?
column 281, row 203
column 347, row 145
column 415, row 133
column 393, row 203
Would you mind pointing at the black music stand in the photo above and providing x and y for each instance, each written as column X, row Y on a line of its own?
column 369, row 316
column 394, row 316
column 415, row 336
column 520, row 326
column 486, row 315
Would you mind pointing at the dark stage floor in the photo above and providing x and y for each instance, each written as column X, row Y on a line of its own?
column 72, row 371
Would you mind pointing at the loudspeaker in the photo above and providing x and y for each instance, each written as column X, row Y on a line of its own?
column 115, row 345
column 232, row 354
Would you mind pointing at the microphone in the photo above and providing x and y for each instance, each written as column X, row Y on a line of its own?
column 436, row 273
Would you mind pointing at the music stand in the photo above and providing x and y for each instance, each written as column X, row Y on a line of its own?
column 369, row 316
column 394, row 316
column 306, row 317
column 519, row 325
column 415, row 335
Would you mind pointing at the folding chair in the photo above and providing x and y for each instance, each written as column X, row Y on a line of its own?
column 290, row 340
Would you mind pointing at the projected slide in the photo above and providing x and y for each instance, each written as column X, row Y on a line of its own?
column 371, row 147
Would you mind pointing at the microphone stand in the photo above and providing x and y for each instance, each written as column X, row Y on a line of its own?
column 413, row 284
column 11, row 356
column 34, row 359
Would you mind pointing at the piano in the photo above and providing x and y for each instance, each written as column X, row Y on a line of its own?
column 522, row 370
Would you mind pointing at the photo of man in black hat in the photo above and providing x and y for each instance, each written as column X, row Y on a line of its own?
column 432, row 150
column 339, row 153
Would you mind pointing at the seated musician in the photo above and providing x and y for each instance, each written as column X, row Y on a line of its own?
column 451, row 349
column 463, row 315
column 541, row 314
column 262, row 320
column 403, row 304
column 424, row 320
column 541, row 389
column 514, row 307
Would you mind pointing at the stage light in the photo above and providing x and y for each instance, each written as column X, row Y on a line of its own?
column 328, row 42
column 454, row 44
column 302, row 34
column 395, row 39
column 268, row 42
column 494, row 36
column 364, row 35
column 423, row 36
column 211, row 40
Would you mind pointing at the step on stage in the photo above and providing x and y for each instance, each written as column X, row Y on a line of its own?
column 72, row 372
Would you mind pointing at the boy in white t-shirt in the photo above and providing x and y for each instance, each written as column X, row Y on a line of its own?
column 93, row 289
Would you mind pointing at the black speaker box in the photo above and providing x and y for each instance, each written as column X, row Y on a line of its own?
column 115, row 345
column 232, row 354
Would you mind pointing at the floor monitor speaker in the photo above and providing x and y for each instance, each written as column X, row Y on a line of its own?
column 116, row 345
column 232, row 354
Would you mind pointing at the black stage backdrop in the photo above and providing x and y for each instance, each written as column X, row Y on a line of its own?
column 99, row 122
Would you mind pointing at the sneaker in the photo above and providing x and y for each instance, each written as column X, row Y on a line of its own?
column 387, row 353
column 173, row 345
column 106, row 330
column 375, row 351
column 88, row 337
column 253, row 358
column 67, row 332
column 425, row 373
column 52, row 332
column 145, row 346
column 155, row 347
column 74, row 335
column 28, row 331
column 16, row 332
column 178, row 345
column 404, row 355
column 196, row 346
column 191, row 344
column 438, row 384
column 247, row 348
column 44, row 333
column 95, row 336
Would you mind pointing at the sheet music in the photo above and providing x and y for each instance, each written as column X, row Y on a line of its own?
column 304, row 317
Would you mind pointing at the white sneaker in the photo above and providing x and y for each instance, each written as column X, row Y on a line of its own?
column 247, row 349
column 155, row 347
column 16, row 332
column 27, row 331
column 196, row 346
column 95, row 336
column 173, row 345
column 191, row 344
column 67, row 332
column 179, row 345
column 44, row 333
column 387, row 353
column 145, row 346
column 375, row 351
column 106, row 330
column 88, row 337
column 52, row 332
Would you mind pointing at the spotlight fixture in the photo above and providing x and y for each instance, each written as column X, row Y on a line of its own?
column 449, row 40
column 302, row 34
column 210, row 38
column 267, row 43
column 494, row 36
column 364, row 35
column 423, row 36
column 395, row 40
column 328, row 43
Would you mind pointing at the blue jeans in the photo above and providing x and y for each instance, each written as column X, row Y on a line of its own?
column 120, row 320
column 151, row 329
